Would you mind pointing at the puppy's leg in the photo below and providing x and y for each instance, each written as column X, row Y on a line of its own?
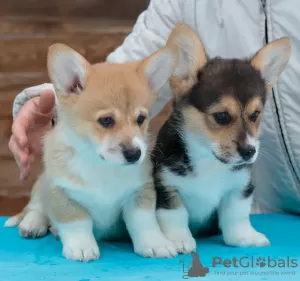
column 141, row 223
column 235, row 224
column 74, row 227
column 173, row 219
column 32, row 221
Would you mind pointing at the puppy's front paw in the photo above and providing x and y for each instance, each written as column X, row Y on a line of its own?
column 246, row 238
column 83, row 248
column 184, row 241
column 154, row 245
column 33, row 225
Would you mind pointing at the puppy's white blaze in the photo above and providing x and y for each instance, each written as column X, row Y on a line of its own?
column 253, row 142
column 140, row 143
column 110, row 150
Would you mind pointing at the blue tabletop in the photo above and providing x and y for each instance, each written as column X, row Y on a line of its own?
column 41, row 259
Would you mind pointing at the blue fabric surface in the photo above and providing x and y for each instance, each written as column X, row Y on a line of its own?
column 41, row 259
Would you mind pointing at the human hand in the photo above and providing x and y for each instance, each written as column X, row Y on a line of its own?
column 30, row 125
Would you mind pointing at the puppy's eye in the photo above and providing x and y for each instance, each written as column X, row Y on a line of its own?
column 254, row 116
column 106, row 122
column 222, row 118
column 140, row 120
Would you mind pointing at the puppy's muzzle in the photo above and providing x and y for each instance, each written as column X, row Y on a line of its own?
column 246, row 151
column 132, row 155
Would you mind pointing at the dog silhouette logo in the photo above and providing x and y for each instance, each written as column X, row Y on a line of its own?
column 196, row 270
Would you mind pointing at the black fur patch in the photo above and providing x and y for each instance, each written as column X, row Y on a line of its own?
column 211, row 226
column 170, row 150
column 248, row 190
column 236, row 78
column 167, row 198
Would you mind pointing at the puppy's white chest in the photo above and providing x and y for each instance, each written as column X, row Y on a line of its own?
column 203, row 189
column 103, row 205
column 102, row 191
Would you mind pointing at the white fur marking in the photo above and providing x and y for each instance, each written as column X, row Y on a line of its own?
column 140, row 143
column 78, row 240
column 147, row 238
column 13, row 221
column 33, row 225
column 235, row 224
column 174, row 225
column 253, row 142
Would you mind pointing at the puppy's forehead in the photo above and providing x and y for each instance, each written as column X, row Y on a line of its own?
column 118, row 86
column 227, row 78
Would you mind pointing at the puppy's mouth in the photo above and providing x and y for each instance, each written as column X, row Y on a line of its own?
column 229, row 162
column 221, row 159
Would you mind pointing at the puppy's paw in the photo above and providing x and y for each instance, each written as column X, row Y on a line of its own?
column 14, row 220
column 33, row 225
column 183, row 240
column 247, row 238
column 154, row 245
column 83, row 248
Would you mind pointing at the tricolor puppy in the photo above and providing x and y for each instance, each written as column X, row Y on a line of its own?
column 205, row 150
column 97, row 180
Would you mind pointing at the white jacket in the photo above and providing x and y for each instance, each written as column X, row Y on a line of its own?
column 234, row 28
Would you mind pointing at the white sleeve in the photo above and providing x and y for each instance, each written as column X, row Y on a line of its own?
column 28, row 94
column 150, row 33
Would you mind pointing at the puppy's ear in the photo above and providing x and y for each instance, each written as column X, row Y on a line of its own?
column 67, row 69
column 191, row 58
column 271, row 60
column 158, row 68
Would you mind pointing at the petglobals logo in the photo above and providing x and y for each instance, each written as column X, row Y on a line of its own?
column 246, row 265
column 255, row 262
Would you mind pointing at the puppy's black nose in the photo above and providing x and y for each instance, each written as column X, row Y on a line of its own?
column 132, row 155
column 246, row 151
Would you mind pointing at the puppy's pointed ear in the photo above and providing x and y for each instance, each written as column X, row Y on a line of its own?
column 67, row 69
column 158, row 68
column 191, row 57
column 271, row 60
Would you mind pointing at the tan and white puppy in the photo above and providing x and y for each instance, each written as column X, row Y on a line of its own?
column 97, row 178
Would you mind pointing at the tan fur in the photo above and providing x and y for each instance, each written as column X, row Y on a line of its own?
column 183, row 37
column 69, row 190
column 124, row 94
column 226, row 136
column 253, row 105
column 258, row 61
column 146, row 197
column 58, row 159
column 119, row 84
column 64, row 209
